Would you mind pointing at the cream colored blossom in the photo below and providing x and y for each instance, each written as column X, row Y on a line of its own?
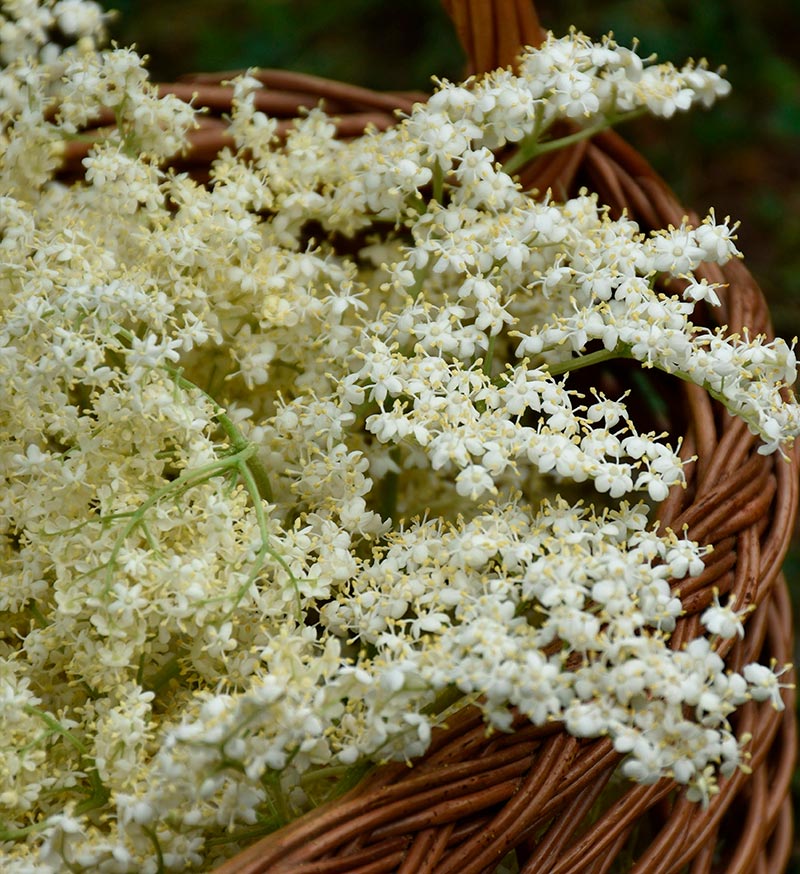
column 281, row 454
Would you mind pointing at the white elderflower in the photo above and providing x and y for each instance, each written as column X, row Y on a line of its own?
column 269, row 501
column 723, row 621
column 674, row 250
column 79, row 18
column 764, row 683
column 473, row 481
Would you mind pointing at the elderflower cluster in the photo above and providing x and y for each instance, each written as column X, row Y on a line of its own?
column 291, row 460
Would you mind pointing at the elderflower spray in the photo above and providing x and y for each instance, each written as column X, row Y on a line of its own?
column 273, row 507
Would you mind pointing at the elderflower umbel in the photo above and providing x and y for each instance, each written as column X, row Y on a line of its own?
column 269, row 502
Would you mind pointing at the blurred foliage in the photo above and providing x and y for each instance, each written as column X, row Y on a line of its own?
column 388, row 46
column 743, row 157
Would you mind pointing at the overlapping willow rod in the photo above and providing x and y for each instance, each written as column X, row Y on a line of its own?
column 473, row 797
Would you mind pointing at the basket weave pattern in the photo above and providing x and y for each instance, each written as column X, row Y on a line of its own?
column 474, row 797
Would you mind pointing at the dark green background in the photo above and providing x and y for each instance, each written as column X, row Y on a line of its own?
column 742, row 157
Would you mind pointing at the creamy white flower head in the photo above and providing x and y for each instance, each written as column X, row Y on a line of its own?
column 289, row 449
column 723, row 621
column 764, row 683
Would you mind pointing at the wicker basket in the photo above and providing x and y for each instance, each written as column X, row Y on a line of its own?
column 472, row 798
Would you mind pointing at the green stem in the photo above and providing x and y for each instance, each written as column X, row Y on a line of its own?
column 99, row 794
column 265, row 549
column 417, row 204
column 351, row 778
column 714, row 393
column 41, row 738
column 37, row 614
column 624, row 351
column 588, row 360
column 531, row 148
column 419, row 280
column 438, row 182
column 188, row 479
column 55, row 727
column 389, row 488
column 488, row 358
column 271, row 781
column 245, row 835
column 157, row 847
column 238, row 441
column 19, row 834
column 447, row 699
column 325, row 773
column 168, row 671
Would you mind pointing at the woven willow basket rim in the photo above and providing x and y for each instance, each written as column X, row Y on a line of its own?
column 473, row 797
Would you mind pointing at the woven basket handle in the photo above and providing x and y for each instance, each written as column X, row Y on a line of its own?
column 492, row 32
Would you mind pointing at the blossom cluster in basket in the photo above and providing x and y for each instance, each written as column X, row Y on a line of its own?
column 284, row 456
